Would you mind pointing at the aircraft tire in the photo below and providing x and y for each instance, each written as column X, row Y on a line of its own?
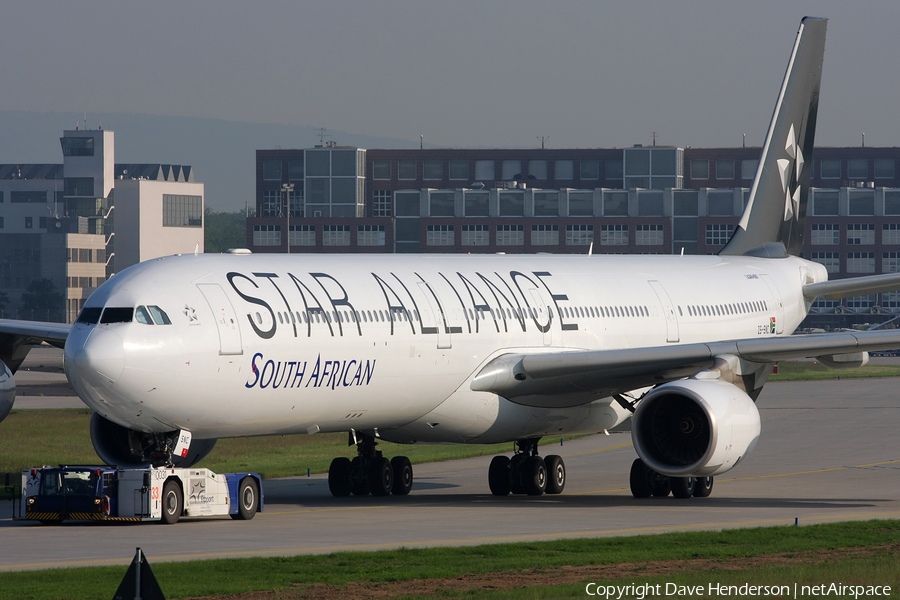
column 556, row 474
column 381, row 477
column 660, row 485
column 248, row 499
column 703, row 487
column 682, row 487
column 339, row 477
column 641, row 479
column 499, row 476
column 403, row 476
column 359, row 478
column 172, row 503
column 534, row 475
column 516, row 483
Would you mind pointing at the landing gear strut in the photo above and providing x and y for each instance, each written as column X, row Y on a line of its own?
column 369, row 472
column 526, row 472
column 646, row 482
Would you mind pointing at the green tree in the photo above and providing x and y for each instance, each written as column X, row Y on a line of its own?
column 4, row 301
column 224, row 230
column 42, row 301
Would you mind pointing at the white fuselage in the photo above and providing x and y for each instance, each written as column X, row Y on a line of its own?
column 280, row 344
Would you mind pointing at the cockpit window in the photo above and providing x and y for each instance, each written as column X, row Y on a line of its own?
column 142, row 316
column 90, row 314
column 159, row 315
column 114, row 314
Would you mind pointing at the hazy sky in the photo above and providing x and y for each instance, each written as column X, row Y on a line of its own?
column 461, row 73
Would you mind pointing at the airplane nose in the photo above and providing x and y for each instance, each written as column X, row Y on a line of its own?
column 103, row 353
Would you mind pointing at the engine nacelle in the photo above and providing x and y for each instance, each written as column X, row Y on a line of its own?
column 7, row 390
column 127, row 448
column 695, row 428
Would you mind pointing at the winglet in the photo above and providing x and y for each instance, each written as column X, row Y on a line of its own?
column 776, row 208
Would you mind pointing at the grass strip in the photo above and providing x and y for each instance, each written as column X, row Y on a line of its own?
column 233, row 576
column 30, row 438
column 808, row 371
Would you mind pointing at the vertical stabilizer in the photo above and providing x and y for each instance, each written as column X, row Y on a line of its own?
column 772, row 223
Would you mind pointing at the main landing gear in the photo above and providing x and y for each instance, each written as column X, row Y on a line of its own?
column 369, row 472
column 646, row 482
column 526, row 472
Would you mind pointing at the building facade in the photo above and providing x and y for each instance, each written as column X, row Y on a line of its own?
column 80, row 222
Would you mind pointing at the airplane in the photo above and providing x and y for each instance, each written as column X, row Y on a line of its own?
column 458, row 349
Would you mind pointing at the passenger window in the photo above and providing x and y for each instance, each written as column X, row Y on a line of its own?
column 90, row 315
column 159, row 315
column 142, row 316
column 117, row 315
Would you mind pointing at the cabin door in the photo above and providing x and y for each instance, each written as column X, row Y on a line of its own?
column 226, row 319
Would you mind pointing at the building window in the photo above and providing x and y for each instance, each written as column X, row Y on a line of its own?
column 433, row 169
column 407, row 204
column 890, row 262
column 830, row 168
column 79, row 186
column 271, row 203
column 475, row 235
column 579, row 235
column 590, row 170
column 860, row 234
column 370, row 235
column 182, row 211
column 295, row 170
column 512, row 204
column 614, row 169
column 545, row 235
column 511, row 169
column 271, row 170
column 892, row 202
column 537, row 169
column 717, row 234
column 24, row 197
column 42, row 223
column 581, row 204
column 266, row 235
column 77, row 146
column 648, row 235
column 476, row 204
column 699, row 169
column 406, row 169
column 459, row 170
column 564, row 169
column 442, row 204
column 650, row 203
column 510, row 235
column 484, row 170
column 2, row 224
column 858, row 168
column 890, row 234
column 830, row 260
column 825, row 234
column 439, row 235
column 614, row 235
column 861, row 302
column 302, row 235
column 825, row 203
column 29, row 222
column 546, row 204
column 860, row 262
column 749, row 167
column 381, row 169
column 615, row 204
column 85, row 255
column 381, row 203
column 890, row 300
column 884, row 168
column 720, row 203
column 724, row 169
column 861, row 203
column 335, row 235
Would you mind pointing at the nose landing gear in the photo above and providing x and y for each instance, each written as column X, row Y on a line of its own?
column 526, row 472
column 369, row 472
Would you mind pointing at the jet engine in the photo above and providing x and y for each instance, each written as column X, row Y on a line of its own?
column 694, row 427
column 127, row 448
column 7, row 390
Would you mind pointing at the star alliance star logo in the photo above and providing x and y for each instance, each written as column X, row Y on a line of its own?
column 789, row 176
column 190, row 313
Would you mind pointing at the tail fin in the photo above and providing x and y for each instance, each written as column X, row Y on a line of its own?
column 772, row 223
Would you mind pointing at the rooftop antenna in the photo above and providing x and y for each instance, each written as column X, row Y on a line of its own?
column 322, row 136
column 744, row 140
column 653, row 135
column 864, row 140
column 421, row 142
column 543, row 138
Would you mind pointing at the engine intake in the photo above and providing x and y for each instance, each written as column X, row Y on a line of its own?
column 695, row 428
column 127, row 448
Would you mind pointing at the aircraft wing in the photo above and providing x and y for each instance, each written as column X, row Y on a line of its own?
column 571, row 378
column 17, row 337
column 853, row 286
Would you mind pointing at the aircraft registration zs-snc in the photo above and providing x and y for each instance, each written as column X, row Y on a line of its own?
column 469, row 348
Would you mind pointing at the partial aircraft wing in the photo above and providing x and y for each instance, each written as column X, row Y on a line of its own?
column 854, row 286
column 17, row 337
column 576, row 377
